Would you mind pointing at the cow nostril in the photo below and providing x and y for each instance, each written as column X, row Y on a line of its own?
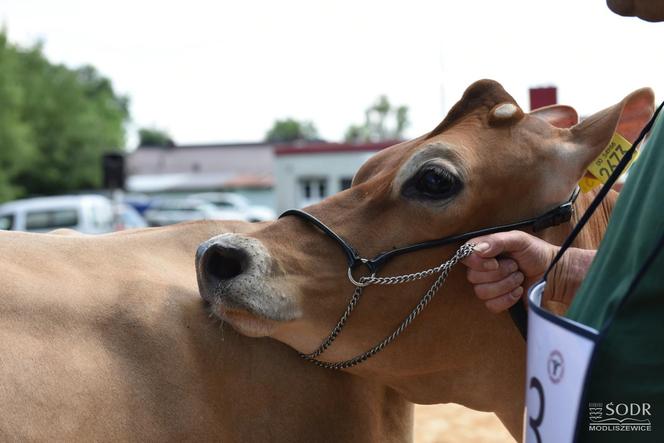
column 225, row 263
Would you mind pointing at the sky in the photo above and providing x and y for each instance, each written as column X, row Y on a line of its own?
column 223, row 71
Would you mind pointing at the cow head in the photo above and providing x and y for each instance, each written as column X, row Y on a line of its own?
column 487, row 163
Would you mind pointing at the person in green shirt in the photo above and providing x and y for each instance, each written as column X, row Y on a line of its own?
column 629, row 361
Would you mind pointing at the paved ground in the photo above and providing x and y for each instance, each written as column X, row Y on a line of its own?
column 455, row 424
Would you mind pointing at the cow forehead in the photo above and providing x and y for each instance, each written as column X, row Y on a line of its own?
column 460, row 149
column 386, row 160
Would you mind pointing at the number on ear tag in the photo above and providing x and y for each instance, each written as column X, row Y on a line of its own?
column 601, row 168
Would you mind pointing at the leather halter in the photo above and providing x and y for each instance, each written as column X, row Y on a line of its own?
column 556, row 216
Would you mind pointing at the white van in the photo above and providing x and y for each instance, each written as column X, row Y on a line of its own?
column 89, row 214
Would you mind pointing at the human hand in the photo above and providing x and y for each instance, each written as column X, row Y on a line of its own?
column 504, row 265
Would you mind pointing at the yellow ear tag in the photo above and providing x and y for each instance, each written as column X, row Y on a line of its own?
column 588, row 183
column 602, row 167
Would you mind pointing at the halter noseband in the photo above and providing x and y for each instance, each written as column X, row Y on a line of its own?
column 556, row 216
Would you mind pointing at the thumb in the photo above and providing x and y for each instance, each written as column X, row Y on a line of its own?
column 493, row 245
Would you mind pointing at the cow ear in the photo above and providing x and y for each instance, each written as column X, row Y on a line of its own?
column 627, row 118
column 560, row 116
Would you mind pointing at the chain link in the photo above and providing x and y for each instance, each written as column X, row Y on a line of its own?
column 444, row 269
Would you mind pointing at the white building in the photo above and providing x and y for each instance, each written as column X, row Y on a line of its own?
column 305, row 174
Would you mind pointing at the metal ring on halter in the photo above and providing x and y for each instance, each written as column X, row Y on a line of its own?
column 359, row 284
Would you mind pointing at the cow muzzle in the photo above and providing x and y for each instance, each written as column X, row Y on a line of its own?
column 236, row 277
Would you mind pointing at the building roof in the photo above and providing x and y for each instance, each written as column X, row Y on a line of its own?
column 221, row 165
column 320, row 148
column 195, row 182
column 211, row 145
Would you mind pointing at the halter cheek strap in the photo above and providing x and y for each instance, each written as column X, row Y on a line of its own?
column 556, row 216
column 352, row 256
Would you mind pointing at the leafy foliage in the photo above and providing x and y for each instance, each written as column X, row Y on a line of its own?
column 154, row 137
column 289, row 130
column 55, row 123
column 382, row 121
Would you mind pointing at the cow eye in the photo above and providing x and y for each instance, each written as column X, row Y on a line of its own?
column 434, row 183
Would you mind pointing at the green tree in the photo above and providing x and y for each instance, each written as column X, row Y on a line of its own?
column 154, row 137
column 55, row 123
column 16, row 147
column 382, row 121
column 289, row 130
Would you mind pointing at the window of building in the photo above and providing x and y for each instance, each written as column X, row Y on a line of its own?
column 312, row 190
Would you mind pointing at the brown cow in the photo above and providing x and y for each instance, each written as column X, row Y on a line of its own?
column 488, row 163
column 105, row 338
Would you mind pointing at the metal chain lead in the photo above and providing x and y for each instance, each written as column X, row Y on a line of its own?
column 444, row 269
column 337, row 329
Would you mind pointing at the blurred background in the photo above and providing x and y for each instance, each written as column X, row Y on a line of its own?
column 126, row 114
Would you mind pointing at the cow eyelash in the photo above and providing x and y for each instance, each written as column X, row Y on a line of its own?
column 432, row 182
